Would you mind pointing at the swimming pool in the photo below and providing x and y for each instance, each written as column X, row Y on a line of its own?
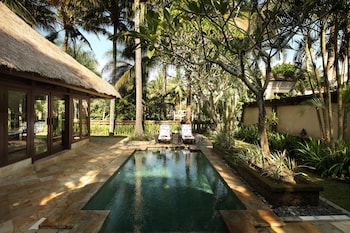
column 165, row 191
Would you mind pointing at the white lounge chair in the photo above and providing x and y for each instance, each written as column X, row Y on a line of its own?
column 164, row 133
column 186, row 134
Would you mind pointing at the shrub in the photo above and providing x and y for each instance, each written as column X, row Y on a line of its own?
column 277, row 141
column 248, row 134
column 278, row 165
column 224, row 139
column 281, row 166
column 328, row 161
column 283, row 142
column 314, row 154
column 252, row 156
column 340, row 161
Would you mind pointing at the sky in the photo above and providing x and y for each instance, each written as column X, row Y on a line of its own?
column 100, row 46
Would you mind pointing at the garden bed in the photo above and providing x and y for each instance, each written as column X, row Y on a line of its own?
column 302, row 193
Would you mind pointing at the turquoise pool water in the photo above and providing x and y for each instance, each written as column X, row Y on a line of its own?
column 165, row 191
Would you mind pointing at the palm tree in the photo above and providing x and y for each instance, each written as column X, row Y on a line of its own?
column 115, row 14
column 138, row 73
column 84, row 57
column 36, row 13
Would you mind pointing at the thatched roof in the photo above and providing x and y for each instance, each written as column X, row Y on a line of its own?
column 25, row 52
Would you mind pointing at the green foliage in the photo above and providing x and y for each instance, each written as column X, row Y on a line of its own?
column 99, row 109
column 283, row 141
column 313, row 153
column 272, row 119
column 277, row 141
column 124, row 129
column 99, row 130
column 327, row 160
column 278, row 166
column 146, row 137
column 281, row 166
column 340, row 160
column 285, row 69
column 248, row 134
column 252, row 156
column 125, row 108
column 224, row 139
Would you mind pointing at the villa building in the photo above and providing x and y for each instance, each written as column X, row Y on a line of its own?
column 44, row 95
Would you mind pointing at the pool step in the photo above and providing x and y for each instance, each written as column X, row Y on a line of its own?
column 247, row 221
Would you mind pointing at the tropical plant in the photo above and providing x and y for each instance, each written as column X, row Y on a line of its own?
column 72, row 16
column 83, row 56
column 313, row 153
column 323, row 42
column 138, row 72
column 235, row 37
column 224, row 139
column 340, row 160
column 248, row 134
column 281, row 167
column 327, row 160
column 38, row 13
column 252, row 156
column 284, row 141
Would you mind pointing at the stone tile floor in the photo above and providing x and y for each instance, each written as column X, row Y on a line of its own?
column 57, row 187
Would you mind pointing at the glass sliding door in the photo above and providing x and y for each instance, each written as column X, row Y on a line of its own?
column 58, row 121
column 84, row 118
column 16, row 125
column 49, row 123
column 41, row 131
column 76, row 119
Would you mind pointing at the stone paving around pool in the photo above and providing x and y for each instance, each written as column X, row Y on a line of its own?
column 52, row 191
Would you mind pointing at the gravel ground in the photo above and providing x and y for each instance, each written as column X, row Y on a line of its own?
column 324, row 208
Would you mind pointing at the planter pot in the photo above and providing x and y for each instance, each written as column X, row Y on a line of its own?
column 279, row 194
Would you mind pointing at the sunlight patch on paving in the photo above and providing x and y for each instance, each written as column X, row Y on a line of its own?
column 50, row 197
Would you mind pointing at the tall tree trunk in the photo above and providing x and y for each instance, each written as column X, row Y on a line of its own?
column 138, row 72
column 347, row 72
column 259, row 93
column 188, row 100
column 261, row 124
column 164, row 90
column 339, row 82
column 308, row 70
column 114, row 80
column 327, row 100
column 65, row 42
column 330, row 78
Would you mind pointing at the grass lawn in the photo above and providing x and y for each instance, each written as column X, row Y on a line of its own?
column 336, row 191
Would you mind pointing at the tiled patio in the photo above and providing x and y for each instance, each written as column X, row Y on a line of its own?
column 56, row 188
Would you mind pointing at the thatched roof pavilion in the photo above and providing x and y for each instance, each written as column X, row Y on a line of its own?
column 27, row 54
column 45, row 96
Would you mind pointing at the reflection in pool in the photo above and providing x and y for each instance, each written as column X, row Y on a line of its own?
column 165, row 191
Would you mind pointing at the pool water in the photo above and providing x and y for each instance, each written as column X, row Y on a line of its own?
column 165, row 191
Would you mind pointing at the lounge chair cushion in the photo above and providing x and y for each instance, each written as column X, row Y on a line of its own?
column 164, row 133
column 186, row 133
